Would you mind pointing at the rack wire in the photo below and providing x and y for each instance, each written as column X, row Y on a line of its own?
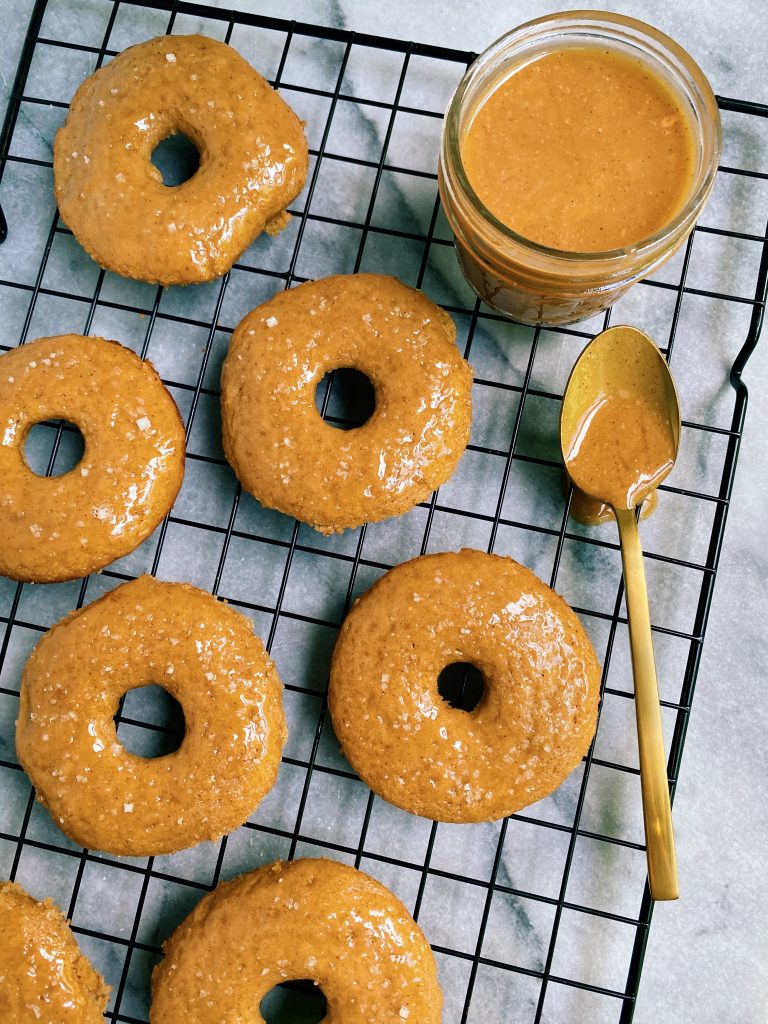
column 542, row 917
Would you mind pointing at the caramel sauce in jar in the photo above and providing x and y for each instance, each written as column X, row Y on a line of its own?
column 583, row 149
column 577, row 153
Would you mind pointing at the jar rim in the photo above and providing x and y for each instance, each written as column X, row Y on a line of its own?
column 696, row 88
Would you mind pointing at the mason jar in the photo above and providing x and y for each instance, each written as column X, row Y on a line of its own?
column 532, row 283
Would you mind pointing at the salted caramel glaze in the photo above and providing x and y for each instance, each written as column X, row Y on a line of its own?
column 205, row 654
column 582, row 149
column 61, row 528
column 253, row 160
column 308, row 919
column 288, row 457
column 533, row 723
column 43, row 975
column 623, row 448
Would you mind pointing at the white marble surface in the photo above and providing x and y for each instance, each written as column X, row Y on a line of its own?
column 707, row 953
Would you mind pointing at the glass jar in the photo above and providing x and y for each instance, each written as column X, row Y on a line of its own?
column 532, row 283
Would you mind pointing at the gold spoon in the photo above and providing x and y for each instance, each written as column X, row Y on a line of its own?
column 619, row 432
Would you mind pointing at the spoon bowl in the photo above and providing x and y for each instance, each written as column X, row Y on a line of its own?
column 620, row 422
column 619, row 434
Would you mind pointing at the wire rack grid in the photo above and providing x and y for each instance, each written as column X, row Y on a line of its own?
column 543, row 917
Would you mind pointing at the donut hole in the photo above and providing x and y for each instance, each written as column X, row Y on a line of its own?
column 345, row 398
column 461, row 685
column 177, row 158
column 54, row 447
column 294, row 1002
column 150, row 722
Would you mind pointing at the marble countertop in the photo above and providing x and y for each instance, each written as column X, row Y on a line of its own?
column 706, row 956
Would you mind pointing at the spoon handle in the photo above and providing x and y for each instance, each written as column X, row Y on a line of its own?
column 657, row 812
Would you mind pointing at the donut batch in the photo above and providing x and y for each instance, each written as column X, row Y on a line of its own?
column 289, row 458
column 43, row 974
column 536, row 717
column 310, row 919
column 253, row 160
column 318, row 920
column 205, row 654
column 61, row 528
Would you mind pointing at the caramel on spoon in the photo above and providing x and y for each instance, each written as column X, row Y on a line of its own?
column 619, row 433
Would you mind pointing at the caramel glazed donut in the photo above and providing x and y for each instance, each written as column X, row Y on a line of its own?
column 307, row 919
column 61, row 528
column 281, row 450
column 253, row 160
column 534, row 721
column 205, row 655
column 43, row 975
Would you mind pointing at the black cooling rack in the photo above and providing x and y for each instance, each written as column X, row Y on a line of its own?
column 374, row 144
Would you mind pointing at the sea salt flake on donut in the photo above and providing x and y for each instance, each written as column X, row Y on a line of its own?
column 171, row 58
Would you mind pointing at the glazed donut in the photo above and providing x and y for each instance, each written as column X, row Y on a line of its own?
column 60, row 528
column 534, row 721
column 205, row 654
column 281, row 450
column 308, row 919
column 253, row 160
column 43, row 975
